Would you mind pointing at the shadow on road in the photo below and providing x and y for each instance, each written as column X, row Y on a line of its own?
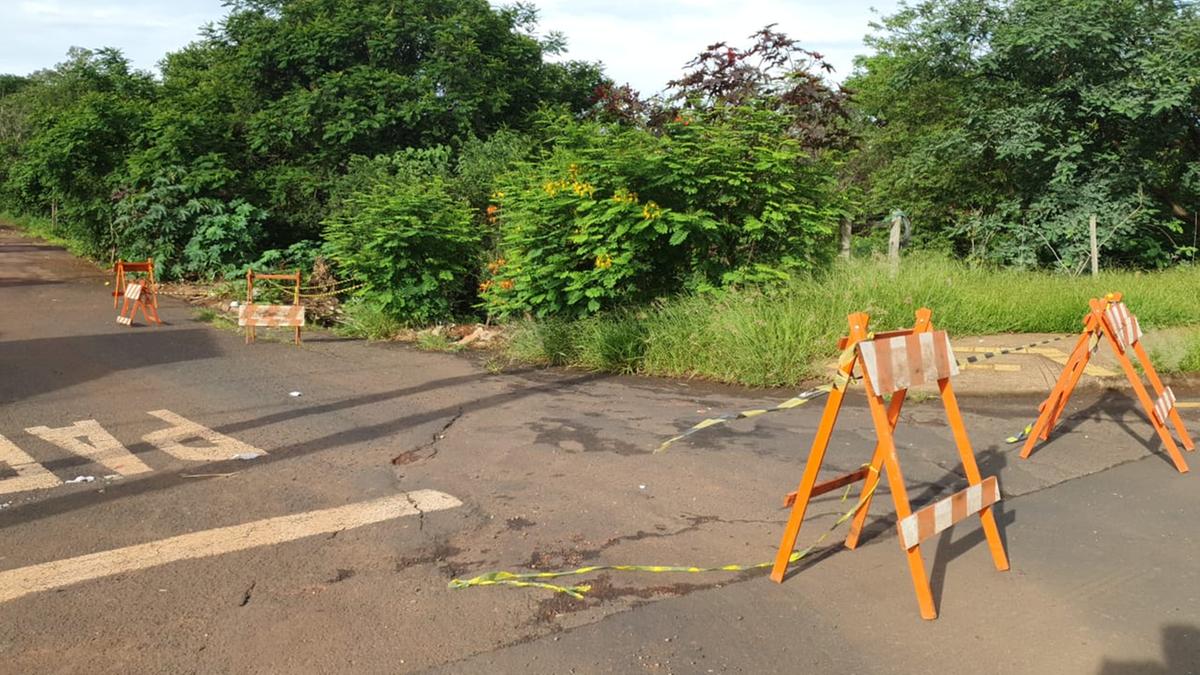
column 1112, row 406
column 35, row 367
column 1181, row 654
column 11, row 282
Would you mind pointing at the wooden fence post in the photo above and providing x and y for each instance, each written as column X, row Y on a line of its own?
column 1095, row 248
column 846, row 234
column 894, row 242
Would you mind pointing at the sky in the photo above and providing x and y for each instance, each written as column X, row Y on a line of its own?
column 642, row 42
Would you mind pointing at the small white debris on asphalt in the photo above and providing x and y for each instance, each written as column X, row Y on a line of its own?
column 641, row 487
column 295, row 394
column 113, row 476
column 5, row 505
column 246, row 456
column 81, row 479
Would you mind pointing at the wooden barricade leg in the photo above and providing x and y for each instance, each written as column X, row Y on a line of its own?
column 118, row 284
column 971, row 468
column 916, row 565
column 1157, row 384
column 149, row 308
column 1148, row 405
column 1053, row 406
column 874, row 473
column 153, row 287
column 804, row 493
column 1077, row 368
column 125, row 308
column 249, row 300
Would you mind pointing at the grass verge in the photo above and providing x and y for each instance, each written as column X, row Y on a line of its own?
column 780, row 337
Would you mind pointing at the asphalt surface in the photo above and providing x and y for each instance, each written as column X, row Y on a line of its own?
column 395, row 471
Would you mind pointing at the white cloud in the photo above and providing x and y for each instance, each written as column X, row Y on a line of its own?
column 643, row 42
column 648, row 43
column 36, row 34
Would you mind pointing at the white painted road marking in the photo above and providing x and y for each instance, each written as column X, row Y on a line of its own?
column 30, row 474
column 100, row 446
column 170, row 440
column 24, row 581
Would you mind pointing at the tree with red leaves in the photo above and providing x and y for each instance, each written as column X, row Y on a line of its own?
column 774, row 71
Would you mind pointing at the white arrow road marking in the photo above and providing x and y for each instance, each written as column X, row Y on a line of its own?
column 47, row 576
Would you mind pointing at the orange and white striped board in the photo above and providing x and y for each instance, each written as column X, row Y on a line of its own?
column 271, row 316
column 939, row 516
column 1125, row 327
column 1164, row 405
column 896, row 363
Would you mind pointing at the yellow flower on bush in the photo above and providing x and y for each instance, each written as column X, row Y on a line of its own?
column 603, row 261
column 485, row 286
column 506, row 284
column 496, row 264
column 651, row 211
column 623, row 196
column 582, row 189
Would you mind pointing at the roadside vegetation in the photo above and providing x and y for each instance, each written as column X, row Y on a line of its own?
column 783, row 335
column 441, row 160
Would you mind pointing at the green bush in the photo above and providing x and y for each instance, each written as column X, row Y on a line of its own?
column 614, row 214
column 186, row 234
column 412, row 244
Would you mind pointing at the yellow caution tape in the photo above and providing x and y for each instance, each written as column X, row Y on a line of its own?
column 794, row 402
column 278, row 285
column 339, row 291
column 1021, row 436
column 527, row 579
column 1010, row 350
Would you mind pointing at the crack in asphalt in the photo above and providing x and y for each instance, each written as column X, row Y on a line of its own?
column 246, row 596
column 410, row 456
column 420, row 512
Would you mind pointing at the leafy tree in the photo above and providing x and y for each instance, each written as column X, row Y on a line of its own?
column 1000, row 126
column 775, row 72
column 81, row 119
column 332, row 79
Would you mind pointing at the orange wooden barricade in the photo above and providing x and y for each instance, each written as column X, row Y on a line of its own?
column 142, row 297
column 252, row 315
column 1110, row 319
column 122, row 268
column 890, row 364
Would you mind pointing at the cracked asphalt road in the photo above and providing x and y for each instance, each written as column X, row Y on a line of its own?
column 553, row 470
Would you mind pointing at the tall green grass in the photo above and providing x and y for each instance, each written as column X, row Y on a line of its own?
column 780, row 337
